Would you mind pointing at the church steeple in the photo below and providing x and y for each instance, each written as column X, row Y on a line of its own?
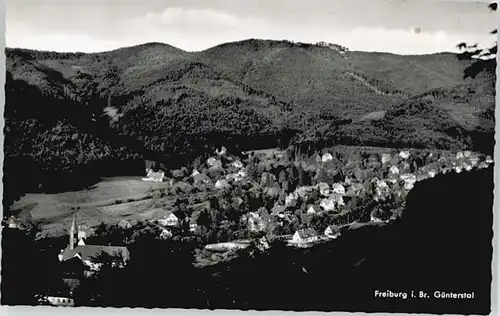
column 73, row 234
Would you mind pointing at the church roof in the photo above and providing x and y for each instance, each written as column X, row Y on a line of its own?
column 88, row 252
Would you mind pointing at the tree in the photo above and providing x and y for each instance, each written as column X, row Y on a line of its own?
column 483, row 59
column 19, row 251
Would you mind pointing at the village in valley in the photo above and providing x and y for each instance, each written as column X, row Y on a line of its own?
column 279, row 194
column 303, row 200
column 227, row 202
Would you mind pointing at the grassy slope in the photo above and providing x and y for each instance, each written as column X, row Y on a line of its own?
column 415, row 74
column 95, row 205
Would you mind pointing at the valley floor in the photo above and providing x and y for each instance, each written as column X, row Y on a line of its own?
column 108, row 201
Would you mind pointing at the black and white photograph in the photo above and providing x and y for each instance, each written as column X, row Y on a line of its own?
column 249, row 155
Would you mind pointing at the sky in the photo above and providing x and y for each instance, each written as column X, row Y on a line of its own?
column 396, row 26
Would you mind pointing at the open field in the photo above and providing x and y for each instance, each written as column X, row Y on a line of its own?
column 110, row 200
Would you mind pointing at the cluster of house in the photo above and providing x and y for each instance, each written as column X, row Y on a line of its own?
column 379, row 177
column 169, row 222
column 395, row 177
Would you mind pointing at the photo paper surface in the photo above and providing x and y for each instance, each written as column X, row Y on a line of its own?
column 320, row 156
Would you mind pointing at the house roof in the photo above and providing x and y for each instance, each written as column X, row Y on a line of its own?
column 73, row 266
column 334, row 229
column 307, row 233
column 278, row 209
column 317, row 208
column 124, row 223
column 338, row 188
column 88, row 252
column 162, row 214
column 221, row 183
column 336, row 198
column 323, row 185
column 159, row 173
column 200, row 177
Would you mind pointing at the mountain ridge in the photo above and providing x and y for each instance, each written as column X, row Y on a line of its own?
column 168, row 104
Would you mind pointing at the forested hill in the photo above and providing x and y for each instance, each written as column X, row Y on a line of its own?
column 332, row 77
column 67, row 110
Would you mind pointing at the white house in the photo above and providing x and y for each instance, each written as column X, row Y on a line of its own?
column 305, row 236
column 291, row 199
column 237, row 164
column 313, row 209
column 394, row 170
column 165, row 234
column 303, row 191
column 326, row 157
column 154, row 176
column 409, row 180
column 169, row 219
column 483, row 165
column 381, row 184
column 195, row 173
column 11, row 222
column 193, row 227
column 60, row 301
column 327, row 204
column 332, row 231
column 385, row 158
column 382, row 189
column 404, row 154
column 338, row 189
column 324, row 188
column 214, row 163
column 222, row 184
column 123, row 224
column 222, row 151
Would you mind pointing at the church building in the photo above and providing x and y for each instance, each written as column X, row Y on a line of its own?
column 77, row 253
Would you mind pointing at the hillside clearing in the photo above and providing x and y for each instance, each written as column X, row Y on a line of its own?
column 110, row 200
